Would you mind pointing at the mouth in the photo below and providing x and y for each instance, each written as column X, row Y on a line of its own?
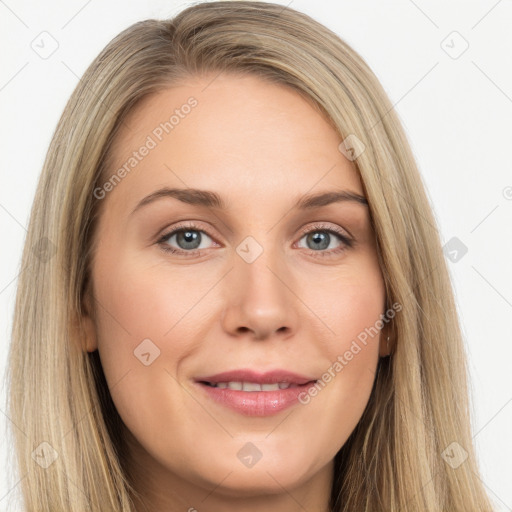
column 254, row 386
column 256, row 394
column 254, row 378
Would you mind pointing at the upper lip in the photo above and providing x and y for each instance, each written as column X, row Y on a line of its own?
column 247, row 375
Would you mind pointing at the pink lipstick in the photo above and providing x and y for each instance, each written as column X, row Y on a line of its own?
column 253, row 393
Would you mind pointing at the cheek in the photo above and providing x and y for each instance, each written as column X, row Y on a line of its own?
column 139, row 302
column 137, row 317
column 359, row 309
column 352, row 302
column 355, row 303
column 136, row 308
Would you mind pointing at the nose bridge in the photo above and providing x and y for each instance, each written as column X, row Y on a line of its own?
column 259, row 296
column 261, row 270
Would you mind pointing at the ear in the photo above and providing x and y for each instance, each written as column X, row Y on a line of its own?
column 386, row 345
column 87, row 324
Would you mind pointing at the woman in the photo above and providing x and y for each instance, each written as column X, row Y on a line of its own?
column 305, row 355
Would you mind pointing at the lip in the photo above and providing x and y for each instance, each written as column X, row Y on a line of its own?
column 247, row 375
column 256, row 403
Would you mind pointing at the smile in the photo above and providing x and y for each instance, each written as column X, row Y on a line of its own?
column 251, row 386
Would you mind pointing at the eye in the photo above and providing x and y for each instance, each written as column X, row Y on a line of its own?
column 320, row 237
column 189, row 239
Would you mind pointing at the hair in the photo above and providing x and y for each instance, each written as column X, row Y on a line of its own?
column 419, row 403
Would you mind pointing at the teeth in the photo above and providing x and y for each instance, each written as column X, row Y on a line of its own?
column 249, row 386
column 252, row 386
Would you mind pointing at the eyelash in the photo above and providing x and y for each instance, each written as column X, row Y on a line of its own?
column 347, row 242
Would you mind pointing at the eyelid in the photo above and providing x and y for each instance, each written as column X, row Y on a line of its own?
column 183, row 226
column 322, row 226
column 346, row 238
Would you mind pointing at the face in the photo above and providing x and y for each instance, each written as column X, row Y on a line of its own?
column 186, row 289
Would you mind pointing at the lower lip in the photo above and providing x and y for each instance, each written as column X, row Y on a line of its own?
column 256, row 403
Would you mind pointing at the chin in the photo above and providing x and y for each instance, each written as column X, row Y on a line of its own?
column 245, row 484
column 264, row 477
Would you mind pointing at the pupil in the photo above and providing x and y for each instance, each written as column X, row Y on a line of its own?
column 319, row 238
column 189, row 238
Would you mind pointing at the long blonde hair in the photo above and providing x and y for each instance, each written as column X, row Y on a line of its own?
column 395, row 460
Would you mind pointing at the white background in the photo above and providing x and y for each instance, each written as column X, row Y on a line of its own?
column 457, row 113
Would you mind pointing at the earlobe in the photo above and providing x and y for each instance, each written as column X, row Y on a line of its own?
column 387, row 335
column 87, row 326
column 385, row 345
column 90, row 343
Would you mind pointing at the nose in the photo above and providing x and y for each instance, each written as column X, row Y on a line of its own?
column 260, row 299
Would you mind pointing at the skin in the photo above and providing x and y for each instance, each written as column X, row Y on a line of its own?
column 260, row 146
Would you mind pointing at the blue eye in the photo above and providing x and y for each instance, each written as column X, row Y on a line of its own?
column 322, row 238
column 190, row 237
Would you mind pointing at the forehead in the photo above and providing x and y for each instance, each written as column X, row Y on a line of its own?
column 241, row 134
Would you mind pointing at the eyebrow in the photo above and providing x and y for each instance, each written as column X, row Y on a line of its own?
column 210, row 199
